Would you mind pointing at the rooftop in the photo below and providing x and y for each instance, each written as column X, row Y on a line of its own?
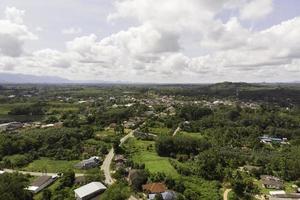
column 155, row 187
column 40, row 181
column 90, row 188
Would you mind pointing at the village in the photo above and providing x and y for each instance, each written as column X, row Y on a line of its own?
column 148, row 145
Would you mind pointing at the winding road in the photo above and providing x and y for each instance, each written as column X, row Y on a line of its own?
column 225, row 195
column 107, row 161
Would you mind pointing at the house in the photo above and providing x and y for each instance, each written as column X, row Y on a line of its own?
column 277, row 192
column 168, row 195
column 47, row 126
column 119, row 159
column 250, row 168
column 267, row 140
column 171, row 110
column 89, row 191
column 271, row 182
column 11, row 126
column 41, row 182
column 113, row 125
column 89, row 163
column 154, row 188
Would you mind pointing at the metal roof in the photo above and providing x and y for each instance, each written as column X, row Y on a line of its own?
column 89, row 189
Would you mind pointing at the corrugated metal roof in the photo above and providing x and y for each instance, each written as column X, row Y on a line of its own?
column 89, row 189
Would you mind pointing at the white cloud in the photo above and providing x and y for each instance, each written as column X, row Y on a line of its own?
column 13, row 33
column 39, row 29
column 51, row 58
column 256, row 9
column 155, row 48
column 14, row 15
column 71, row 31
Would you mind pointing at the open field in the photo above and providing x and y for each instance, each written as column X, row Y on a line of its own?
column 62, row 107
column 195, row 135
column 48, row 165
column 161, row 131
column 143, row 152
column 5, row 108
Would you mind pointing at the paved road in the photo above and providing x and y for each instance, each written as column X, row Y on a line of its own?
column 176, row 131
column 106, row 167
column 107, row 161
column 35, row 173
column 225, row 195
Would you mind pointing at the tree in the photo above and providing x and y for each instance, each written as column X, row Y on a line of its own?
column 243, row 186
column 118, row 191
column 51, row 119
column 158, row 197
column 119, row 129
column 67, row 179
column 94, row 175
column 12, row 187
column 138, row 178
column 191, row 195
column 46, row 195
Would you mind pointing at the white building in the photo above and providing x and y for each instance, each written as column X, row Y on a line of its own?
column 10, row 126
column 89, row 191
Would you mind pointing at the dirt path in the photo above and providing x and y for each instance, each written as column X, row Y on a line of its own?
column 35, row 173
column 225, row 195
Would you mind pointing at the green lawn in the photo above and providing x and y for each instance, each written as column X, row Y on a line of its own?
column 5, row 108
column 161, row 131
column 143, row 152
column 46, row 164
column 184, row 133
column 62, row 107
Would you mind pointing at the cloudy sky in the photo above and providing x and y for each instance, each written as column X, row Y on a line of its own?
column 152, row 40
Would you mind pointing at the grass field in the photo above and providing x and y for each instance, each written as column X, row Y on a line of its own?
column 195, row 135
column 46, row 164
column 62, row 107
column 161, row 131
column 5, row 108
column 105, row 133
column 143, row 152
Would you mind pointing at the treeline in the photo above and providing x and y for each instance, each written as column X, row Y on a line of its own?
column 30, row 109
column 57, row 143
column 193, row 112
column 12, row 187
column 171, row 146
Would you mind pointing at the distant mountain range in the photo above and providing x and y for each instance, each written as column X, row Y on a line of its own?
column 12, row 78
column 25, row 78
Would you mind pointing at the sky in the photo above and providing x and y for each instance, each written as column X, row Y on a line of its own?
column 158, row 41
